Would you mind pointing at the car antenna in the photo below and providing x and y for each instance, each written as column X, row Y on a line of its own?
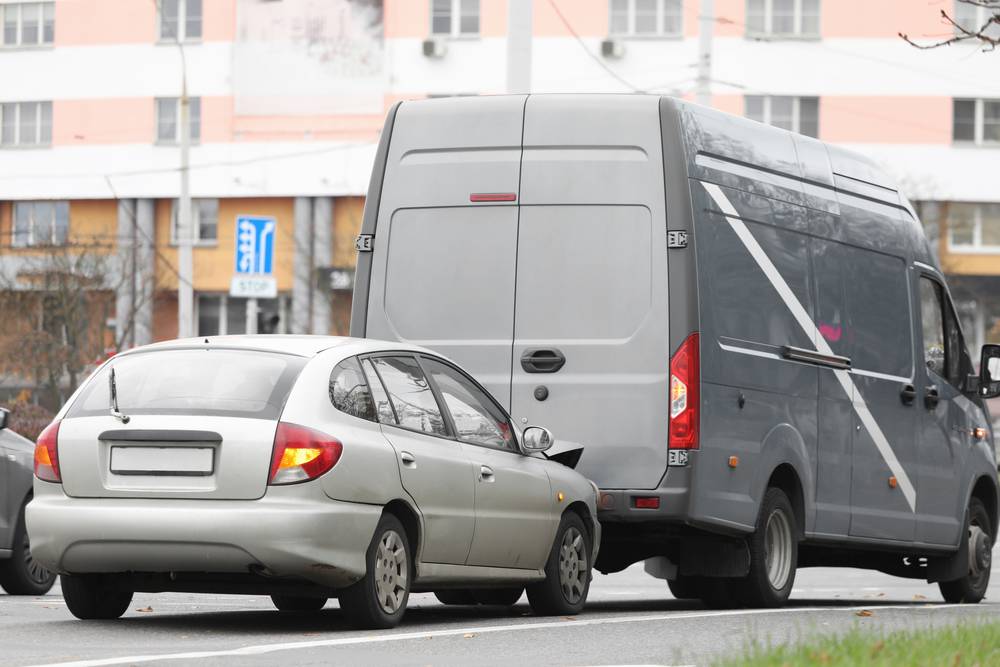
column 114, row 399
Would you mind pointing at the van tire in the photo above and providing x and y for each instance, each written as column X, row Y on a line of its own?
column 94, row 597
column 774, row 553
column 458, row 596
column 564, row 590
column 297, row 603
column 972, row 587
column 389, row 570
column 684, row 588
column 21, row 574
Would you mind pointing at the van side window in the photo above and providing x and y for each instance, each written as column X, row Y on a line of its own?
column 349, row 391
column 935, row 355
column 383, row 407
column 476, row 417
column 411, row 395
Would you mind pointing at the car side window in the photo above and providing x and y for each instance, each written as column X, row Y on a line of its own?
column 411, row 395
column 476, row 417
column 931, row 316
column 349, row 392
column 383, row 407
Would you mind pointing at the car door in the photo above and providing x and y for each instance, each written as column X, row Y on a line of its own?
column 433, row 466
column 945, row 434
column 6, row 471
column 515, row 517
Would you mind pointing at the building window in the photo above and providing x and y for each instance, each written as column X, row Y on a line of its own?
column 972, row 17
column 222, row 315
column 25, row 124
column 40, row 223
column 783, row 18
column 27, row 24
column 168, row 119
column 974, row 227
column 798, row 114
column 204, row 220
column 457, row 18
column 976, row 121
column 179, row 20
column 645, row 18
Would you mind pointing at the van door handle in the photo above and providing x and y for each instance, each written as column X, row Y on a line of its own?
column 542, row 361
column 908, row 394
column 408, row 460
column 932, row 397
column 486, row 474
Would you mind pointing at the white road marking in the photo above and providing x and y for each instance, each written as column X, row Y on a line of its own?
column 809, row 327
column 261, row 649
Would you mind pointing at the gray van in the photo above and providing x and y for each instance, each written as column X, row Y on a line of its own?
column 745, row 330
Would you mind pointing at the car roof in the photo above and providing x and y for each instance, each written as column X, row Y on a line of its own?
column 299, row 345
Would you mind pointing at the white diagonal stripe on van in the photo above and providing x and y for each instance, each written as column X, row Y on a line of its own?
column 809, row 327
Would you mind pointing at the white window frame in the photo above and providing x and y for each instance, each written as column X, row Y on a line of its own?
column 31, row 241
column 195, row 138
column 21, row 8
column 456, row 22
column 284, row 311
column 195, row 222
column 797, row 32
column 796, row 110
column 19, row 108
column 976, row 247
column 979, row 123
column 182, row 35
column 661, row 17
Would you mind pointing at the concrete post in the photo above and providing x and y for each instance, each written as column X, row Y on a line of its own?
column 322, row 257
column 125, row 295
column 302, row 266
column 145, row 270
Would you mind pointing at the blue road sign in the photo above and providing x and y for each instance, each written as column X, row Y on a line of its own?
column 254, row 245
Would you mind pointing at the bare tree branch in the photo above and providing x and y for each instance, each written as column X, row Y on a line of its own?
column 988, row 34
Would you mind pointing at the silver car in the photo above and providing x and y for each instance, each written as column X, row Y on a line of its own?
column 304, row 468
column 20, row 573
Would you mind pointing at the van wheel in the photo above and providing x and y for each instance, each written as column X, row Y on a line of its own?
column 297, row 603
column 972, row 587
column 774, row 553
column 22, row 574
column 684, row 588
column 564, row 590
column 379, row 599
column 92, row 597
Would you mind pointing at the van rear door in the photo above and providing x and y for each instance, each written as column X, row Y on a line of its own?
column 444, row 252
column 590, row 327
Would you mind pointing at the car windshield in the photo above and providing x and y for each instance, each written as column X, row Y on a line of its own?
column 221, row 382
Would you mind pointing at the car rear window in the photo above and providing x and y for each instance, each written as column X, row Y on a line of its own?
column 219, row 382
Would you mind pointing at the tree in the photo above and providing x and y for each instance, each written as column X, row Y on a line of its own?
column 972, row 21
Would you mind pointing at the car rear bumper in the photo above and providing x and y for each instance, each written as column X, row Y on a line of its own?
column 293, row 531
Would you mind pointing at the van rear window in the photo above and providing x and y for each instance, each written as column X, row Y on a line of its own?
column 217, row 382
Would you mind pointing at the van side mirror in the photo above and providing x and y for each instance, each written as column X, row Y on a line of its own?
column 4, row 414
column 989, row 372
column 536, row 439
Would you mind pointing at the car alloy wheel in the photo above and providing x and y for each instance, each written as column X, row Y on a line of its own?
column 573, row 570
column 391, row 572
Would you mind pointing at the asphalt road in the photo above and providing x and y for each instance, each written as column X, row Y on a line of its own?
column 631, row 619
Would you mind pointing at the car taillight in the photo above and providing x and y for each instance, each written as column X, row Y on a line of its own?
column 47, row 454
column 684, row 395
column 301, row 454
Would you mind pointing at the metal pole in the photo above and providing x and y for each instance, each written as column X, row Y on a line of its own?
column 519, row 46
column 706, row 26
column 252, row 311
column 185, row 259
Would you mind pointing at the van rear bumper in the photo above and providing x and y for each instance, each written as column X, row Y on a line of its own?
column 292, row 531
column 620, row 505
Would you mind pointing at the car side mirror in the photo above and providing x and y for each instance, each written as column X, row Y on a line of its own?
column 989, row 372
column 536, row 439
column 4, row 414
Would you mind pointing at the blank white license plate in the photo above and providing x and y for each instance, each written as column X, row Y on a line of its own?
column 181, row 461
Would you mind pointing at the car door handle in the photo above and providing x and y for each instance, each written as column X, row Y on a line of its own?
column 486, row 474
column 908, row 394
column 932, row 398
column 408, row 460
column 542, row 361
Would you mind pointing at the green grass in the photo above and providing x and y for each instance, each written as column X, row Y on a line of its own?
column 972, row 643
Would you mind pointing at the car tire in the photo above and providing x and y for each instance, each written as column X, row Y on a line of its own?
column 972, row 587
column 564, row 590
column 379, row 599
column 22, row 574
column 92, row 597
column 774, row 552
column 297, row 603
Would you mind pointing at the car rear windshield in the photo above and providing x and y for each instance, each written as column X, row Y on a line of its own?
column 219, row 382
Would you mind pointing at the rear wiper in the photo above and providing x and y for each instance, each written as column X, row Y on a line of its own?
column 114, row 399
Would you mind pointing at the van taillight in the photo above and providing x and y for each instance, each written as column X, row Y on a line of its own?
column 47, row 454
column 684, row 395
column 301, row 454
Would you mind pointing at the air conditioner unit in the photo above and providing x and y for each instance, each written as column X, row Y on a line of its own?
column 612, row 48
column 435, row 48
